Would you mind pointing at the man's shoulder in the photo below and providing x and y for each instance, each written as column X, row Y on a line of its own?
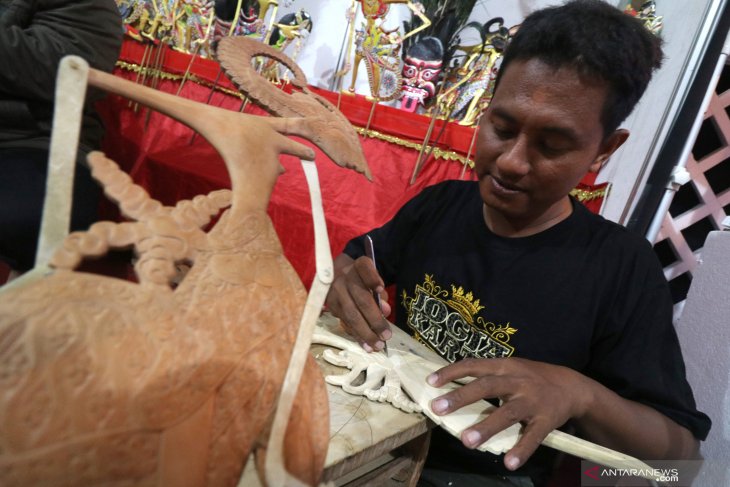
column 450, row 189
column 451, row 185
column 441, row 202
column 613, row 238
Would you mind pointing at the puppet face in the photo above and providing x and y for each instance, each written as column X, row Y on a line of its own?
column 419, row 82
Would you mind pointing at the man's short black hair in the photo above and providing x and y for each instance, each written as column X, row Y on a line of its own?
column 598, row 40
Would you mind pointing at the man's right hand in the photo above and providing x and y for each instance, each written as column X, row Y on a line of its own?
column 351, row 299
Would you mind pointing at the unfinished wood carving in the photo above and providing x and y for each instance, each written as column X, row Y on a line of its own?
column 413, row 362
column 381, row 382
column 403, row 377
column 110, row 382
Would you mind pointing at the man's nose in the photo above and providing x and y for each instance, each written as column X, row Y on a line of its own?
column 514, row 160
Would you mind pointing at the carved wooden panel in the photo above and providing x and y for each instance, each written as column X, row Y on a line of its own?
column 104, row 381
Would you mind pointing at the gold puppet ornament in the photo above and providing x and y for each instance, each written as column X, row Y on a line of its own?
column 193, row 27
column 237, row 23
column 646, row 12
column 291, row 28
column 468, row 89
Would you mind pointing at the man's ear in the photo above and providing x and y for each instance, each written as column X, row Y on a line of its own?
column 609, row 145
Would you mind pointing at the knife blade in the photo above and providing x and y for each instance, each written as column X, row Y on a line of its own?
column 370, row 253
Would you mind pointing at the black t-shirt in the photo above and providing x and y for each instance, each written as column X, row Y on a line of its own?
column 585, row 293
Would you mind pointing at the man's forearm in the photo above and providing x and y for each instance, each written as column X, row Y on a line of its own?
column 634, row 428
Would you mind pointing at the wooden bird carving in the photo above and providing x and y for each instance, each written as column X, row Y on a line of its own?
column 110, row 382
column 325, row 125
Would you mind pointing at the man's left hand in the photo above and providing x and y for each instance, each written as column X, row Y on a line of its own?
column 541, row 396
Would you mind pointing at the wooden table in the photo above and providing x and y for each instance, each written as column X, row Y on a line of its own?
column 370, row 443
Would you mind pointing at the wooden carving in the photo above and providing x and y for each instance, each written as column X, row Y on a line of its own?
column 404, row 370
column 104, row 381
column 327, row 127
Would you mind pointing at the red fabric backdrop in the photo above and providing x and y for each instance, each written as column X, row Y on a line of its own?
column 159, row 156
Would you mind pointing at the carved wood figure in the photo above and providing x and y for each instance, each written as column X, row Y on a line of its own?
column 403, row 369
column 104, row 381
column 326, row 126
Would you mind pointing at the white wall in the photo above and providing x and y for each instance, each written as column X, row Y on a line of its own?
column 685, row 36
column 704, row 332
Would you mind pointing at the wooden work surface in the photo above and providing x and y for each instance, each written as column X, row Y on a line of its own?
column 369, row 441
column 361, row 430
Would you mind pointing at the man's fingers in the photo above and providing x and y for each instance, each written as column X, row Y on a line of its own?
column 340, row 303
column 351, row 312
column 499, row 420
column 384, row 305
column 366, row 302
column 465, row 368
column 372, row 317
column 532, row 436
column 480, row 388
column 368, row 273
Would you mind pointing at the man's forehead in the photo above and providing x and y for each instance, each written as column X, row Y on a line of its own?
column 533, row 86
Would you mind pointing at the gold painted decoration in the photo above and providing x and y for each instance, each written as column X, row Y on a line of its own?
column 293, row 28
column 468, row 88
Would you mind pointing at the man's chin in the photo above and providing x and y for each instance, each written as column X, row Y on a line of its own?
column 506, row 210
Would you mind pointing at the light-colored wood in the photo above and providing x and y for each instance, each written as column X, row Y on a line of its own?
column 417, row 450
column 362, row 430
column 412, row 362
column 325, row 125
column 382, row 475
column 362, row 434
column 381, row 383
column 276, row 474
column 377, row 449
column 68, row 110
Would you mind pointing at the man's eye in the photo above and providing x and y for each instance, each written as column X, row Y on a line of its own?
column 502, row 132
column 552, row 149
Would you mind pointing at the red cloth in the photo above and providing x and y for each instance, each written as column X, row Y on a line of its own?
column 160, row 157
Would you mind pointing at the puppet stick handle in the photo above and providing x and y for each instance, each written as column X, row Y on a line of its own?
column 276, row 473
column 596, row 453
column 70, row 92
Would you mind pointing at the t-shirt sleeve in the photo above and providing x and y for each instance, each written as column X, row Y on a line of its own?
column 636, row 352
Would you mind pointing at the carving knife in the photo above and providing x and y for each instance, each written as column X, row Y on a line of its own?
column 370, row 253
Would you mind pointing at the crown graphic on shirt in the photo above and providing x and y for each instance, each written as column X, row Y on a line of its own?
column 464, row 303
